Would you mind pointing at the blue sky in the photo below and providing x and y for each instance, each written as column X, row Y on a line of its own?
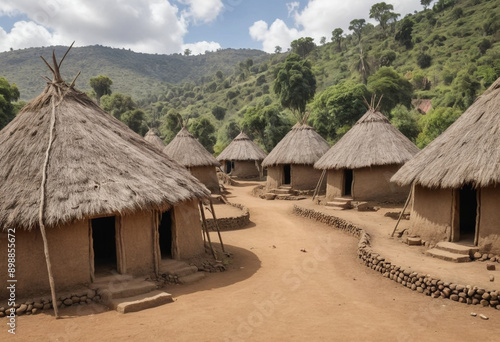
column 171, row 26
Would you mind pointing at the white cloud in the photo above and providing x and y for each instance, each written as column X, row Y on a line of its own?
column 292, row 7
column 150, row 26
column 319, row 18
column 199, row 48
column 203, row 11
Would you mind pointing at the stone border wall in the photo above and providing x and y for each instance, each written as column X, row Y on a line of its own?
column 34, row 306
column 422, row 283
column 228, row 223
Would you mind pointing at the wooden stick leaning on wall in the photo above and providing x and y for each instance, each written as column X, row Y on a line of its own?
column 204, row 225
column 216, row 225
column 403, row 211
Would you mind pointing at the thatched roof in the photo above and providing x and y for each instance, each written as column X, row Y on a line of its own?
column 188, row 151
column 302, row 145
column 154, row 139
column 242, row 148
column 371, row 141
column 467, row 152
column 96, row 165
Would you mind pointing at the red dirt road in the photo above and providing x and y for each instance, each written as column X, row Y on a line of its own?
column 291, row 279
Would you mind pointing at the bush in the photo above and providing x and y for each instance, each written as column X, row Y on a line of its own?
column 424, row 60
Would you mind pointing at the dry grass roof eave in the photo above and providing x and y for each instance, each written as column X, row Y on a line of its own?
column 242, row 149
column 468, row 152
column 188, row 152
column 97, row 165
column 302, row 145
column 372, row 141
column 152, row 138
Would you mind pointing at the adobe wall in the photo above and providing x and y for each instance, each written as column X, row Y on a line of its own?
column 274, row 176
column 208, row 176
column 431, row 214
column 187, row 238
column 334, row 184
column 489, row 228
column 304, row 177
column 245, row 169
column 373, row 184
column 137, row 237
column 69, row 255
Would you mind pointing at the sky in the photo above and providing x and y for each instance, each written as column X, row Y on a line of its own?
column 172, row 26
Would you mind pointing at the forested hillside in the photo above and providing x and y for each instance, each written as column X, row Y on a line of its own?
column 439, row 60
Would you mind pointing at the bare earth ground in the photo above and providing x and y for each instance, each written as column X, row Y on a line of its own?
column 291, row 279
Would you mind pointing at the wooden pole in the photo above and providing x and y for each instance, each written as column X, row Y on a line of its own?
column 316, row 191
column 204, row 224
column 402, row 211
column 42, row 209
column 217, row 225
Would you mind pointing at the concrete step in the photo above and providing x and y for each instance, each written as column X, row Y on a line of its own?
column 457, row 248
column 140, row 302
column 126, row 289
column 448, row 256
column 191, row 278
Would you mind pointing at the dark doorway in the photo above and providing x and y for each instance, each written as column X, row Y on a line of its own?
column 165, row 232
column 104, row 243
column 287, row 174
column 468, row 212
column 348, row 176
column 229, row 166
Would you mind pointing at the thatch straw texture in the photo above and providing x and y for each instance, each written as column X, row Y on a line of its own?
column 302, row 145
column 242, row 148
column 97, row 165
column 188, row 151
column 467, row 152
column 373, row 140
column 154, row 139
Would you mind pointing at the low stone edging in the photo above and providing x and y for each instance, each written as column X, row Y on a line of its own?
column 34, row 306
column 422, row 283
column 227, row 223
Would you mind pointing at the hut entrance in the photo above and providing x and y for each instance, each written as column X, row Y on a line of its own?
column 165, row 233
column 104, row 244
column 348, row 177
column 287, row 174
column 229, row 166
column 468, row 213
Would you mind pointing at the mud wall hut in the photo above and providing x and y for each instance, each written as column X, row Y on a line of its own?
column 456, row 192
column 188, row 152
column 291, row 162
column 242, row 158
column 363, row 161
column 106, row 199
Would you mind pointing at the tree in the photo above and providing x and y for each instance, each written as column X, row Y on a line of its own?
column 219, row 112
column 136, row 120
column 425, row 3
column 394, row 88
column 171, row 125
column 277, row 49
column 363, row 66
column 117, row 104
column 187, row 52
column 295, row 84
column 356, row 26
column 101, row 86
column 435, row 122
column 381, row 12
column 203, row 130
column 337, row 37
column 8, row 94
column 404, row 35
column 303, row 46
column 406, row 121
column 219, row 75
column 322, row 41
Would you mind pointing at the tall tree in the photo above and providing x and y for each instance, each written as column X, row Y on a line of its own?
column 303, row 46
column 8, row 94
column 203, row 130
column 356, row 26
column 101, row 86
column 295, row 84
column 337, row 37
column 404, row 35
column 425, row 3
column 382, row 13
column 394, row 88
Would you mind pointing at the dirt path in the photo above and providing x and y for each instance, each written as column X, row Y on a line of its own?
column 277, row 292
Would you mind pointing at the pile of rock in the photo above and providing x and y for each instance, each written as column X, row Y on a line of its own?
column 478, row 256
column 422, row 283
column 236, row 222
column 34, row 306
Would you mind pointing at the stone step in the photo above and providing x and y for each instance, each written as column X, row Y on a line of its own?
column 101, row 281
column 191, row 278
column 334, row 208
column 343, row 199
column 281, row 191
column 282, row 196
column 414, row 241
column 288, row 187
column 338, row 204
column 457, row 248
column 448, row 256
column 176, row 267
column 269, row 195
column 126, row 289
column 140, row 302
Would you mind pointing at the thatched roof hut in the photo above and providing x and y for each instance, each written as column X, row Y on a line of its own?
column 152, row 138
column 291, row 160
column 92, row 189
column 366, row 157
column 242, row 157
column 188, row 152
column 456, row 178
